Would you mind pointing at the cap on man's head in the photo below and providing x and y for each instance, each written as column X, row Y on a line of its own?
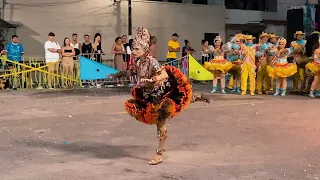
column 51, row 34
column 175, row 34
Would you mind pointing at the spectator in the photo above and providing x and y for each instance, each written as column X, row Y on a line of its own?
column 126, row 45
column 86, row 46
column 204, row 51
column 118, row 51
column 97, row 49
column 14, row 51
column 76, row 45
column 52, row 53
column 68, row 52
column 131, row 65
column 173, row 48
column 1, row 46
column 185, row 51
column 153, row 47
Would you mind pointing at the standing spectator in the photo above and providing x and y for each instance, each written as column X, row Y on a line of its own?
column 76, row 45
column 52, row 55
column 173, row 48
column 185, row 51
column 68, row 53
column 131, row 65
column 126, row 45
column 153, row 47
column 1, row 46
column 118, row 51
column 204, row 51
column 14, row 51
column 86, row 46
column 97, row 49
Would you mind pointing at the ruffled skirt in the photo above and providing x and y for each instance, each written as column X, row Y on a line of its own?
column 150, row 106
column 314, row 67
column 218, row 65
column 282, row 70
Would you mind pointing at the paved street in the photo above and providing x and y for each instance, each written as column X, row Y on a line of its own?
column 86, row 135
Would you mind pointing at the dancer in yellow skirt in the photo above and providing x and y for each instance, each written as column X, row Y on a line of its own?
column 281, row 69
column 298, row 52
column 261, row 63
column 233, row 56
column 314, row 67
column 248, row 67
column 218, row 66
column 273, row 43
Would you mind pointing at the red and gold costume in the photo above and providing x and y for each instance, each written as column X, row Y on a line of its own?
column 163, row 92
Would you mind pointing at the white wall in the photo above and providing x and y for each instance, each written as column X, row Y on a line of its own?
column 110, row 19
column 278, row 30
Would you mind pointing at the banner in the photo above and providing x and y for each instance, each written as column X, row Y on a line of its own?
column 309, row 16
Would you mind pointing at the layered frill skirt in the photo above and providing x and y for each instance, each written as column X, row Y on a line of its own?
column 314, row 67
column 218, row 65
column 151, row 105
column 282, row 70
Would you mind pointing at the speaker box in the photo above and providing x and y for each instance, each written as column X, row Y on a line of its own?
column 294, row 23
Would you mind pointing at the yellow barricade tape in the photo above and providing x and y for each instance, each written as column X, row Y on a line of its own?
column 34, row 69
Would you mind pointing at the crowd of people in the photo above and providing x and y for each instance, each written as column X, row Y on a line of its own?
column 265, row 62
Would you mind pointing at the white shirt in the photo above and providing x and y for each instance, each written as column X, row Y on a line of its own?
column 128, row 50
column 50, row 56
column 76, row 46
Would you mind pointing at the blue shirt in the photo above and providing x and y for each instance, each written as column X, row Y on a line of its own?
column 14, row 51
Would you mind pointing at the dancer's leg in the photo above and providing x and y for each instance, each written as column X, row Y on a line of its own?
column 162, row 136
column 284, row 86
column 244, row 80
column 277, row 87
column 223, row 82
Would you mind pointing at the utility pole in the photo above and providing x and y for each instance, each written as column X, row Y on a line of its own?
column 129, row 18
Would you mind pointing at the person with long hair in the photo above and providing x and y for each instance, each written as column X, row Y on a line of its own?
column 131, row 65
column 118, row 51
column 67, row 62
column 281, row 69
column 204, row 51
column 162, row 93
column 97, row 49
column 153, row 47
column 219, row 66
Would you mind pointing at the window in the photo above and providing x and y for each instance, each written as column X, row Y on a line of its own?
column 205, row 2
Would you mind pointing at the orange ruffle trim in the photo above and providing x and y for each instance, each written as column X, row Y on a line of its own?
column 166, row 107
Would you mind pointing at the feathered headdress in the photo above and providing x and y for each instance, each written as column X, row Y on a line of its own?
column 142, row 38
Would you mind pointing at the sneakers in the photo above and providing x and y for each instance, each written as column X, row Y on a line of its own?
column 223, row 91
column 214, row 89
column 283, row 92
column 236, row 90
column 277, row 92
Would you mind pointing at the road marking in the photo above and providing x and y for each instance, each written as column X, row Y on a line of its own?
column 199, row 107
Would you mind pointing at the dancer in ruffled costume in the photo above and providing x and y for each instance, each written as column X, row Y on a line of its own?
column 234, row 56
column 298, row 53
column 281, row 69
column 261, row 63
column 219, row 66
column 314, row 67
column 248, row 67
column 163, row 91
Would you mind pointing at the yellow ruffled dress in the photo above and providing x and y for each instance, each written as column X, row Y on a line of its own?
column 314, row 67
column 218, row 63
column 282, row 68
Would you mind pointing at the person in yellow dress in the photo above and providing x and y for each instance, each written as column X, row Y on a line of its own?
column 248, row 67
column 218, row 66
column 298, row 53
column 261, row 63
column 281, row 69
column 314, row 67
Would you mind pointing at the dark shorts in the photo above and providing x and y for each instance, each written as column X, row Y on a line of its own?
column 172, row 61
